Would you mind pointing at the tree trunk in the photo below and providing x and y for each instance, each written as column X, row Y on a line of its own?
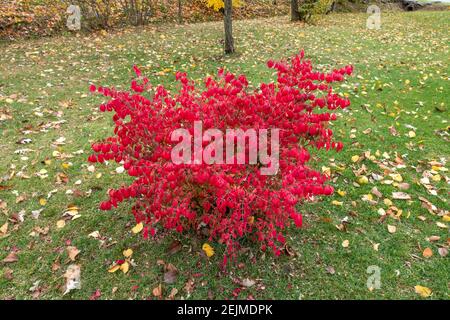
column 228, row 22
column 180, row 11
column 295, row 16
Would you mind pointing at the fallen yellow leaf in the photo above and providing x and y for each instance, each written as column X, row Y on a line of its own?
column 363, row 180
column 423, row 291
column 326, row 170
column 138, row 228
column 436, row 178
column 209, row 251
column 66, row 165
column 114, row 268
column 345, row 243
column 127, row 253
column 4, row 228
column 397, row 177
column 60, row 224
column 125, row 267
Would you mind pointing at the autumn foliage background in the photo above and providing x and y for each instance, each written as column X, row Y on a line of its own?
column 20, row 18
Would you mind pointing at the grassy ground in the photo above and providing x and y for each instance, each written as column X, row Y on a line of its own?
column 400, row 86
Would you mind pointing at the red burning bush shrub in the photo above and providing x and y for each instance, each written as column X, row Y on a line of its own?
column 227, row 201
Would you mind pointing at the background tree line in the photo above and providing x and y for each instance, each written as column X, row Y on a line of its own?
column 20, row 18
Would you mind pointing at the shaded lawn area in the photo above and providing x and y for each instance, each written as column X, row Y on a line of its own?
column 400, row 86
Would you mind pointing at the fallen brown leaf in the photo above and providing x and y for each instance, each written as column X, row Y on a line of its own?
column 72, row 252
column 427, row 253
column 10, row 258
column 443, row 252
column 391, row 229
column 174, row 247
column 157, row 292
column 401, row 196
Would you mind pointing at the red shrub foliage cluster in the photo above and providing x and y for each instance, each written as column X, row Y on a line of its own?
column 229, row 201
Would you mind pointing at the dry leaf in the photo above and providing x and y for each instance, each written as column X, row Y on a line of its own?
column 157, row 292
column 72, row 252
column 170, row 277
column 125, row 267
column 173, row 293
column 56, row 266
column 8, row 274
column 441, row 225
column 189, row 286
column 209, row 251
column 127, row 253
column 330, row 270
column 4, row 229
column 443, row 252
column 138, row 228
column 423, row 291
column 174, row 247
column 95, row 235
column 114, row 268
column 248, row 282
column 403, row 186
column 10, row 258
column 391, row 229
column 345, row 243
column 60, row 224
column 376, row 192
column 401, row 196
column 427, row 253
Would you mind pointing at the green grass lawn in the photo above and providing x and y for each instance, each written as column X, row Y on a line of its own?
column 400, row 86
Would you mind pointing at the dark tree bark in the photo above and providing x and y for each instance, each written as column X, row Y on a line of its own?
column 180, row 11
column 228, row 23
column 295, row 16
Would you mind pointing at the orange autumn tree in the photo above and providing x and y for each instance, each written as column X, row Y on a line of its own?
column 217, row 5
